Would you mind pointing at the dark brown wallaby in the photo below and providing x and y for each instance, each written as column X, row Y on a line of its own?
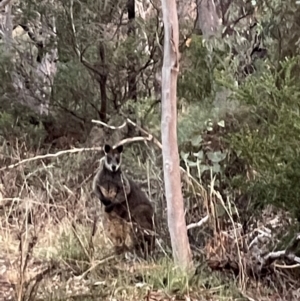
column 109, row 184
column 121, row 196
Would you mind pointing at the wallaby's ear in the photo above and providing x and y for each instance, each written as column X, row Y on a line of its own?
column 119, row 149
column 107, row 148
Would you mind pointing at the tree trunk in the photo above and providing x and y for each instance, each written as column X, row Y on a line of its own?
column 176, row 219
column 132, row 87
column 102, row 82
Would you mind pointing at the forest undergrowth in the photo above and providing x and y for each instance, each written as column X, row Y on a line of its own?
column 238, row 130
column 53, row 245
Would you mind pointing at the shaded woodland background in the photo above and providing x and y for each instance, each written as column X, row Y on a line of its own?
column 65, row 63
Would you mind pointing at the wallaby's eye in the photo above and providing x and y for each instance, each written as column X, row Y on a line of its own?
column 117, row 160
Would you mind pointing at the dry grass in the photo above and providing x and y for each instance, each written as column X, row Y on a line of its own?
column 48, row 252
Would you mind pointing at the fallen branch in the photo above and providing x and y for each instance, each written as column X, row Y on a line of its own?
column 40, row 157
column 282, row 254
column 283, row 266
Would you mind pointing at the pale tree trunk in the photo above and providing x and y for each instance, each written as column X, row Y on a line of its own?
column 176, row 218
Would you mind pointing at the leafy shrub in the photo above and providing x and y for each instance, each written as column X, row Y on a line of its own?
column 270, row 144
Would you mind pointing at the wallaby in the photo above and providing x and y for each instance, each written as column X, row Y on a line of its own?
column 121, row 195
column 109, row 184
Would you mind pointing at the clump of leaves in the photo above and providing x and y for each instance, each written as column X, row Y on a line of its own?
column 196, row 81
column 271, row 146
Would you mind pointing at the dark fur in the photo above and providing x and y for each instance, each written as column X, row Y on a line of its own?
column 107, row 184
column 117, row 202
column 141, row 213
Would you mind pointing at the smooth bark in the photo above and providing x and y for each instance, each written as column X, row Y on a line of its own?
column 176, row 219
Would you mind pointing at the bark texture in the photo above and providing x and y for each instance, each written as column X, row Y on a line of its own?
column 176, row 219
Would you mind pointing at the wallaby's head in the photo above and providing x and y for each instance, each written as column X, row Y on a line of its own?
column 113, row 157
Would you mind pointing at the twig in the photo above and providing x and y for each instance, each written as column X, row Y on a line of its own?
column 155, row 140
column 257, row 238
column 149, row 138
column 134, row 139
column 282, row 266
column 128, row 120
column 198, row 224
column 278, row 254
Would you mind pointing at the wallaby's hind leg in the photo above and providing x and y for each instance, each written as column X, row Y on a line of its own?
column 143, row 216
column 118, row 231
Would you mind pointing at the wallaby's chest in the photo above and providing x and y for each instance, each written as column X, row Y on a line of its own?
column 111, row 178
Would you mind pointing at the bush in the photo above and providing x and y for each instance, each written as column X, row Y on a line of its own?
column 270, row 144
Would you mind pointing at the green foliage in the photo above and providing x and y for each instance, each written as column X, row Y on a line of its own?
column 195, row 83
column 271, row 144
column 168, row 277
column 73, row 90
column 15, row 122
column 6, row 64
column 192, row 120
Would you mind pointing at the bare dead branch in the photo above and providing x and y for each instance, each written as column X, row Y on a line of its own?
column 60, row 153
column 198, row 224
column 283, row 266
column 282, row 254
column 156, row 141
column 74, row 150
column 134, row 139
column 149, row 137
column 110, row 126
